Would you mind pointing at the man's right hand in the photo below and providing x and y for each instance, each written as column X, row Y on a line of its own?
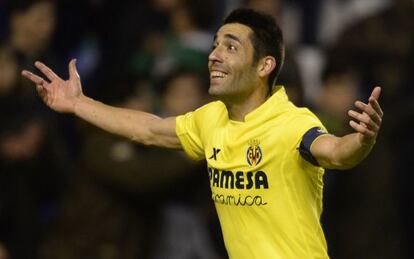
column 60, row 95
column 65, row 96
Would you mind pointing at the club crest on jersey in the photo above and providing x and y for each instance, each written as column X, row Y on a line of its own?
column 254, row 153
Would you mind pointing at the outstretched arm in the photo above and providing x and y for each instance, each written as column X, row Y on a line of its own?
column 66, row 96
column 347, row 151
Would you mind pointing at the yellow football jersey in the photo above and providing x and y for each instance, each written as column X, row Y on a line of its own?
column 268, row 198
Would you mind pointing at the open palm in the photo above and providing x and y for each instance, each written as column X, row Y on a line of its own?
column 367, row 122
column 60, row 95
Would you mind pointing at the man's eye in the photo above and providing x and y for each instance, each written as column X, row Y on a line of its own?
column 232, row 48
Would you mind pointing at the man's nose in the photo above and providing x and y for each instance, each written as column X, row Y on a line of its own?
column 215, row 55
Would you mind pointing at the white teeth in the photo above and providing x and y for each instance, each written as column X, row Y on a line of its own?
column 216, row 74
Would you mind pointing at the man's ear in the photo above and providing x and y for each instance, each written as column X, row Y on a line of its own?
column 266, row 66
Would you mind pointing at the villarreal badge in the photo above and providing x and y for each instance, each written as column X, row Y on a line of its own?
column 254, row 153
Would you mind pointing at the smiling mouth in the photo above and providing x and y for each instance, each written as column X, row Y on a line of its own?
column 217, row 75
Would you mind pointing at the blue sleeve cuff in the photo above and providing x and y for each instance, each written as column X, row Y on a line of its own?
column 307, row 140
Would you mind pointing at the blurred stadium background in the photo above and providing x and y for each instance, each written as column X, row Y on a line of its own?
column 68, row 190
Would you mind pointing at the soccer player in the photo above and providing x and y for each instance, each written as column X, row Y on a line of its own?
column 265, row 156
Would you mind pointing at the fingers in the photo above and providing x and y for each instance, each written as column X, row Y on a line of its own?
column 365, row 120
column 375, row 105
column 370, row 111
column 34, row 78
column 373, row 100
column 368, row 120
column 41, row 84
column 73, row 72
column 41, row 90
column 376, row 92
column 362, row 129
column 46, row 71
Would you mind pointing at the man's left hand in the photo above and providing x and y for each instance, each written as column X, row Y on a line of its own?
column 368, row 121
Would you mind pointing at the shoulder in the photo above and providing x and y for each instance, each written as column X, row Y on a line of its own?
column 298, row 115
column 216, row 106
column 211, row 112
column 299, row 121
column 203, row 117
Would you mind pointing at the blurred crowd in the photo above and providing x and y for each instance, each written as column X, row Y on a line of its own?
column 69, row 190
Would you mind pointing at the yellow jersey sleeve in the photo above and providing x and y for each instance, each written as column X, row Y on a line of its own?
column 194, row 129
column 300, row 124
column 189, row 136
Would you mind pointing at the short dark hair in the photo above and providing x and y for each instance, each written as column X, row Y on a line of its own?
column 267, row 37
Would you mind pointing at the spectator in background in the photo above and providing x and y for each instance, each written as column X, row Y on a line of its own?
column 272, row 7
column 185, row 43
column 33, row 158
column 339, row 89
column 360, row 213
column 102, row 34
column 189, row 225
column 378, row 49
column 108, row 211
column 4, row 254
column 32, row 24
column 291, row 78
column 9, row 70
column 128, row 200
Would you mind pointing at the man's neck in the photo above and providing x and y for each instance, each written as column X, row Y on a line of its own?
column 239, row 109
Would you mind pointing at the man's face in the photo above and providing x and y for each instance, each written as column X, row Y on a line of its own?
column 232, row 73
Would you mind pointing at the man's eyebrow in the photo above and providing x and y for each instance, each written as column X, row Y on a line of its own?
column 229, row 36
column 233, row 37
